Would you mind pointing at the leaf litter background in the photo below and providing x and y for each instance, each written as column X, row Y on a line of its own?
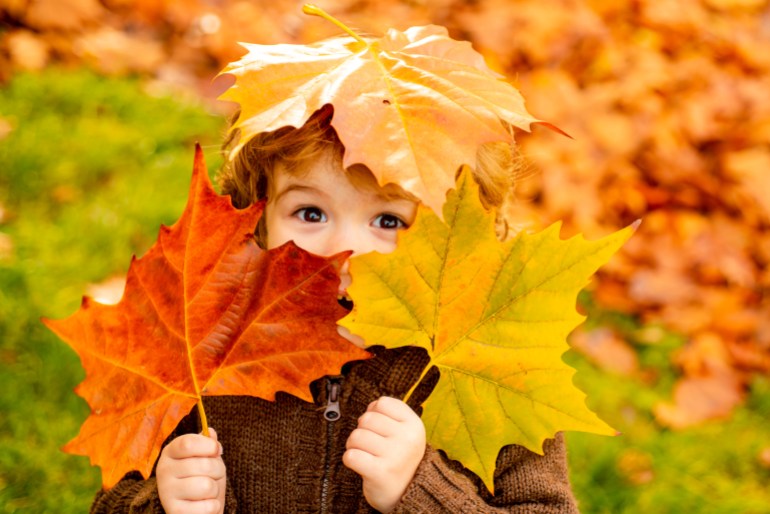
column 668, row 105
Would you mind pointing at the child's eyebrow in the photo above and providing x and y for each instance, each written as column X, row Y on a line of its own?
column 298, row 187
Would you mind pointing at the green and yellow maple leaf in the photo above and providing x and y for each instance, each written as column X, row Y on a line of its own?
column 396, row 99
column 493, row 316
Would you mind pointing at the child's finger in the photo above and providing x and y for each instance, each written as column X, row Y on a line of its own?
column 211, row 506
column 366, row 440
column 392, row 407
column 363, row 463
column 212, row 467
column 213, row 434
column 192, row 445
column 197, row 488
column 378, row 423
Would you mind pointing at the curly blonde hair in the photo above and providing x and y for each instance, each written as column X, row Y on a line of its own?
column 247, row 175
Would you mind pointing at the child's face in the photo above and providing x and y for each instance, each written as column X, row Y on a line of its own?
column 323, row 212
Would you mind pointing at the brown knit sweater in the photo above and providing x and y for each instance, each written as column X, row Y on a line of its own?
column 285, row 456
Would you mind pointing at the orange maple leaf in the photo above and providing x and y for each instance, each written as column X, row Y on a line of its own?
column 205, row 312
column 396, row 100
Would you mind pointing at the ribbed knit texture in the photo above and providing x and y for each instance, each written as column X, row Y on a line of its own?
column 278, row 455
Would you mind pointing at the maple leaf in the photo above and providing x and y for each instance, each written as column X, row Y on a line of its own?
column 493, row 318
column 205, row 312
column 396, row 99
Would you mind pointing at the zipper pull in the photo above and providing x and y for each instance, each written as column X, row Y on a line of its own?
column 332, row 410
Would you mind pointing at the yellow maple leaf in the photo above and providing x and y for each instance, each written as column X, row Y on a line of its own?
column 493, row 316
column 396, row 100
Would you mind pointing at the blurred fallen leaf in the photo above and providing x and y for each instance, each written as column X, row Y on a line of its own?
column 700, row 399
column 6, row 246
column 27, row 51
column 704, row 355
column 636, row 466
column 65, row 193
column 115, row 52
column 661, row 286
column 607, row 350
column 683, row 17
column 650, row 334
column 749, row 356
column 5, row 129
column 69, row 15
column 764, row 457
column 14, row 8
column 733, row 4
column 751, row 167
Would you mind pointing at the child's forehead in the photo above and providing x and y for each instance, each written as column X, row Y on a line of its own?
column 326, row 172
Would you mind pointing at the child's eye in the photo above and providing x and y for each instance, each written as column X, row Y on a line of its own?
column 389, row 221
column 311, row 215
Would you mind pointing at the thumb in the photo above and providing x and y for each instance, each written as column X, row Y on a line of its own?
column 213, row 435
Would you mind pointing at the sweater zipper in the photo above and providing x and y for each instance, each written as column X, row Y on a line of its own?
column 331, row 414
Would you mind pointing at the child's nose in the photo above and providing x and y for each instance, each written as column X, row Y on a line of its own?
column 350, row 238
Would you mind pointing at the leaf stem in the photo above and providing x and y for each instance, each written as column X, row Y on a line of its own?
column 204, row 421
column 419, row 380
column 314, row 10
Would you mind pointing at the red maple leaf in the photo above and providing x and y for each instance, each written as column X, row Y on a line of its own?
column 205, row 312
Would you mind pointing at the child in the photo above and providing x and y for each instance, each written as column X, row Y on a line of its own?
column 358, row 448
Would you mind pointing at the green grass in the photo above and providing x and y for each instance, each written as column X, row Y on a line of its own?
column 91, row 169
column 714, row 468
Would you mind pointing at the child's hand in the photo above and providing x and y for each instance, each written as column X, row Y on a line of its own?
column 191, row 475
column 385, row 450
